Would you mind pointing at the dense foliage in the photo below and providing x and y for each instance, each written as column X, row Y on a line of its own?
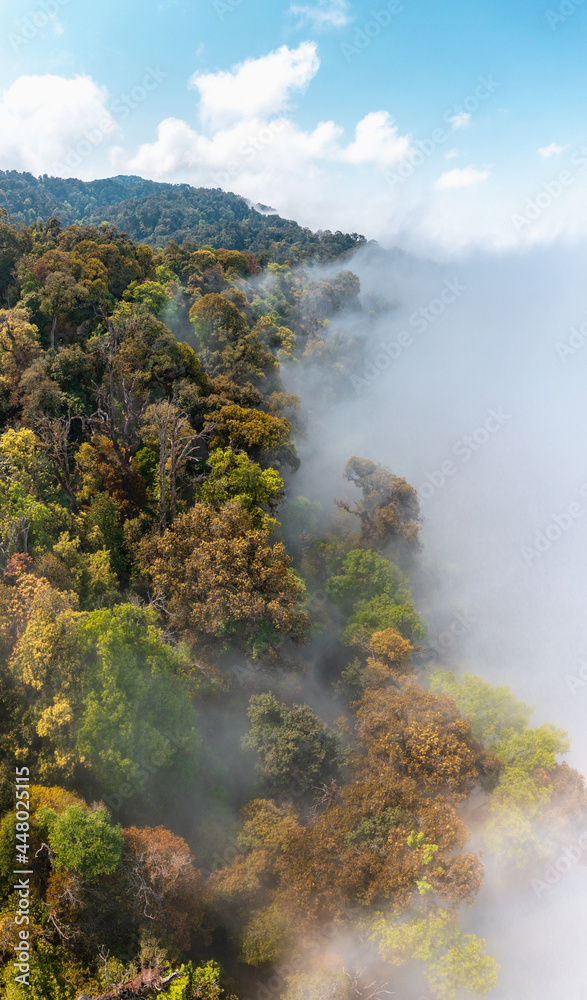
column 156, row 213
column 239, row 761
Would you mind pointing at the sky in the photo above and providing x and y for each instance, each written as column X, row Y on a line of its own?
column 441, row 128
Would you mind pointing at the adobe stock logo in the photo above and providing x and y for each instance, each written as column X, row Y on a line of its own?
column 420, row 320
column 464, row 449
column 34, row 22
column 579, row 680
column 120, row 109
column 460, row 625
column 554, row 530
column 554, row 872
column 576, row 340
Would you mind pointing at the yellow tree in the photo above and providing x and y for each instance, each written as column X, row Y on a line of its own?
column 221, row 577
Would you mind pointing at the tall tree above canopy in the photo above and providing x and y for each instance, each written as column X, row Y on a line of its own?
column 222, row 577
column 171, row 432
column 389, row 509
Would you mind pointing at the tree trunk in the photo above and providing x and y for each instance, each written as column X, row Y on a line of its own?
column 134, row 989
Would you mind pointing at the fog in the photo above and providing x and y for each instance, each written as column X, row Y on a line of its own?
column 482, row 410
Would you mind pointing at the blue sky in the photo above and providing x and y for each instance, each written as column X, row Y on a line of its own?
column 328, row 110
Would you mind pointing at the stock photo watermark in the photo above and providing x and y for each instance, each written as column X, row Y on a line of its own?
column 555, row 871
column 120, row 109
column 576, row 340
column 248, row 150
column 551, row 191
column 461, row 624
column 420, row 320
column 558, row 525
column 464, row 449
column 35, row 22
column 576, row 682
column 425, row 148
column 562, row 13
column 371, row 29
column 224, row 7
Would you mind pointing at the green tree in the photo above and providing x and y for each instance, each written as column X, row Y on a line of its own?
column 294, row 746
column 234, row 477
column 453, row 961
column 373, row 593
column 137, row 711
column 83, row 841
column 492, row 710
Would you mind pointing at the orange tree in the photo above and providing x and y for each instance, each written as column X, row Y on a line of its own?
column 221, row 577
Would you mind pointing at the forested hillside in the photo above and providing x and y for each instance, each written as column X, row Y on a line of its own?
column 192, row 814
column 156, row 213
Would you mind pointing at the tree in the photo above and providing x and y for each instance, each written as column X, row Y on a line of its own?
column 424, row 738
column 122, row 402
column 234, row 478
column 373, row 593
column 170, row 430
column 61, row 295
column 492, row 710
column 83, row 841
column 453, row 961
column 222, row 578
column 54, row 436
column 10, row 252
column 523, row 794
column 19, row 346
column 389, row 659
column 321, row 985
column 201, row 983
column 264, row 437
column 294, row 746
column 20, row 516
column 227, row 345
column 390, row 835
column 150, row 293
column 163, row 884
column 106, row 696
column 389, row 510
column 138, row 728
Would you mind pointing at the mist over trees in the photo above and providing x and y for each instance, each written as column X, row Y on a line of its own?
column 207, row 819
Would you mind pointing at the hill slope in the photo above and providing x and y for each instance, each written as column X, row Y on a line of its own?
column 157, row 213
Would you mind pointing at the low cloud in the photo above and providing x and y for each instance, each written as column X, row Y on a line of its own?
column 322, row 16
column 553, row 150
column 462, row 120
column 461, row 178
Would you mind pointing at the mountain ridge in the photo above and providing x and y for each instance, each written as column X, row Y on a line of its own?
column 157, row 213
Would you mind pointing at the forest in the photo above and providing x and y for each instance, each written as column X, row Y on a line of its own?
column 156, row 213
column 230, row 766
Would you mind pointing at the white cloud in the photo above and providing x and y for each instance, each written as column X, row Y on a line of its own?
column 248, row 149
column 377, row 141
column 44, row 118
column 257, row 86
column 452, row 154
column 462, row 120
column 553, row 150
column 461, row 178
column 327, row 14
